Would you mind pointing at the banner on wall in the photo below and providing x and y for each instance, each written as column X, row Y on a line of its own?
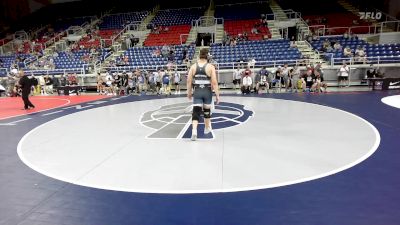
column 391, row 84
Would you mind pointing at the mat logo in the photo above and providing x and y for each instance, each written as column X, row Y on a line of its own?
column 174, row 121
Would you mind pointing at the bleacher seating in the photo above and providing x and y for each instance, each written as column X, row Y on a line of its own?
column 242, row 11
column 313, row 7
column 387, row 53
column 182, row 4
column 235, row 27
column 177, row 16
column 328, row 13
column 173, row 23
column 64, row 24
column 170, row 37
column 4, row 41
column 143, row 56
column 63, row 61
column 8, row 60
column 118, row 21
column 339, row 21
column 269, row 50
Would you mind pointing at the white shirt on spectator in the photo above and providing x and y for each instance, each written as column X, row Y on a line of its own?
column 285, row 71
column 247, row 81
column 14, row 71
column 360, row 52
column 344, row 71
column 237, row 75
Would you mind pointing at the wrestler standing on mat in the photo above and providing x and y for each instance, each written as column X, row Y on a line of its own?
column 203, row 79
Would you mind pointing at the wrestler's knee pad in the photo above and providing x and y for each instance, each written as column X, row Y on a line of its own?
column 207, row 113
column 196, row 113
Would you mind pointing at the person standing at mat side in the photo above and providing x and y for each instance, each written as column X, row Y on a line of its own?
column 26, row 83
column 202, row 77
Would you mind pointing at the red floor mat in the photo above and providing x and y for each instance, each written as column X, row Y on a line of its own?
column 12, row 107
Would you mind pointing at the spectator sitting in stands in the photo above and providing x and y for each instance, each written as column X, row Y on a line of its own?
column 318, row 83
column 315, row 37
column 371, row 72
column 86, row 58
column 293, row 43
column 171, row 56
column 72, row 81
column 295, row 76
column 156, row 52
column 262, row 80
column 233, row 42
column 99, row 81
column 347, row 52
column 245, row 36
column 109, row 90
column 165, row 50
column 126, row 60
column 251, row 63
column 247, row 82
column 184, row 53
column 337, row 46
column 62, row 80
column 55, row 54
column 48, row 85
column 69, row 54
column 346, row 35
column 264, row 21
column 307, row 80
column 155, row 29
column 353, row 36
column 254, row 30
column 326, row 46
column 278, row 79
column 360, row 55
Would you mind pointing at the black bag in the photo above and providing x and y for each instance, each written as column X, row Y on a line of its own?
column 34, row 81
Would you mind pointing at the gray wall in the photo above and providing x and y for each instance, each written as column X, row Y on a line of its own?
column 389, row 38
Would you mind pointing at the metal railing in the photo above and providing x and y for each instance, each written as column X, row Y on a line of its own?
column 270, row 16
column 108, row 42
column 126, row 13
column 243, row 3
column 392, row 26
column 30, row 60
column 207, row 21
column 321, row 30
column 128, row 68
column 49, row 42
column 181, row 37
column 377, row 60
column 79, row 70
column 134, row 26
column 291, row 14
column 3, row 71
